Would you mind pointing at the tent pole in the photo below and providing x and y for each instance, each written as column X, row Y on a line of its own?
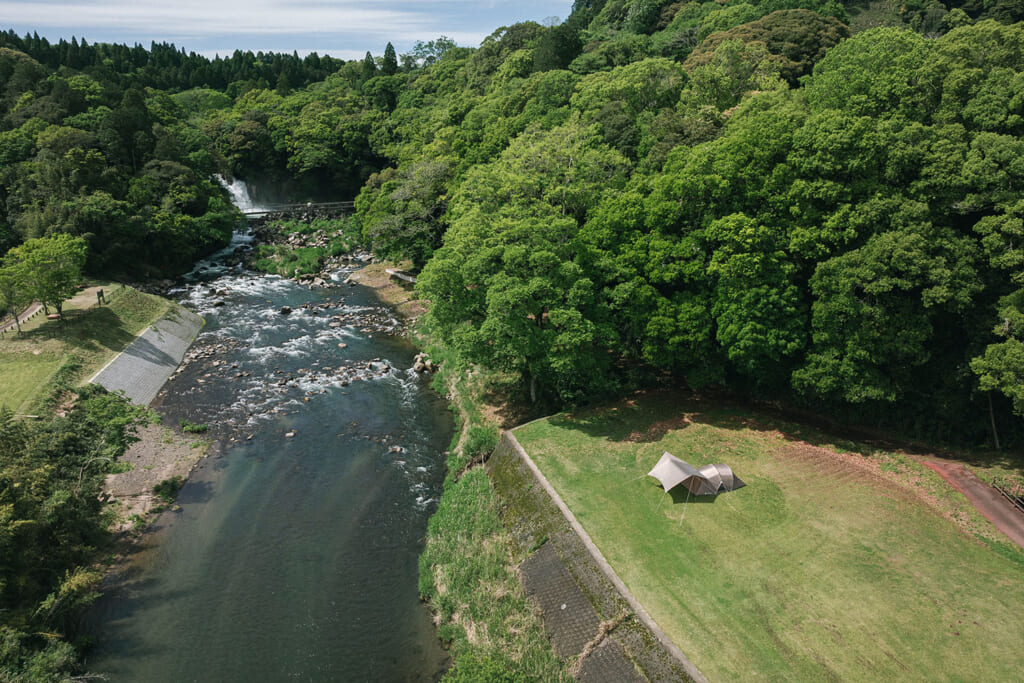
column 684, row 506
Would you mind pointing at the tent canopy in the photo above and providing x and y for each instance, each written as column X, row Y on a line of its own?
column 705, row 481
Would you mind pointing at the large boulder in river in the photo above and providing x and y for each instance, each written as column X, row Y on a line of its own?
column 286, row 310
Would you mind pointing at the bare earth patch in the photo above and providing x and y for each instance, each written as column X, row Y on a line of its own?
column 401, row 297
column 656, row 430
column 160, row 454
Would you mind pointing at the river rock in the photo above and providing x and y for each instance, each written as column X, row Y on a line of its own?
column 286, row 310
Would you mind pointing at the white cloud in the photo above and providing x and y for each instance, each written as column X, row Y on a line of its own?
column 224, row 17
column 208, row 26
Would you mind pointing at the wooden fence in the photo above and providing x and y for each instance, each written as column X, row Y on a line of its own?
column 1014, row 500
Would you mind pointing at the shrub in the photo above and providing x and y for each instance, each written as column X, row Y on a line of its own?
column 168, row 489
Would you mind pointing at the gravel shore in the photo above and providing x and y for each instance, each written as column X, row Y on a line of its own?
column 160, row 454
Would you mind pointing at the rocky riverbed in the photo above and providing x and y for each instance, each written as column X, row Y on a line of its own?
column 309, row 516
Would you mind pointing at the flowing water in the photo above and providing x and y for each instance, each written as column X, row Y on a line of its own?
column 293, row 555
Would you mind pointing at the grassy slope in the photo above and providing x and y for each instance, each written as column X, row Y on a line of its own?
column 822, row 567
column 468, row 567
column 87, row 341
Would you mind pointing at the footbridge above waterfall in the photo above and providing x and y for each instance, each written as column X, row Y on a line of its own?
column 298, row 210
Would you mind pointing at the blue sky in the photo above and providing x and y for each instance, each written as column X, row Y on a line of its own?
column 342, row 28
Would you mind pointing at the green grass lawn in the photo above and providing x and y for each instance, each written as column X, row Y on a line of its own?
column 21, row 374
column 826, row 566
column 86, row 341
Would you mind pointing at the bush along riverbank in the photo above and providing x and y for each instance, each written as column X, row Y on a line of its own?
column 469, row 568
column 54, row 524
column 305, row 250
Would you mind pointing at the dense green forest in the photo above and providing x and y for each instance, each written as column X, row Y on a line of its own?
column 814, row 202
column 52, row 523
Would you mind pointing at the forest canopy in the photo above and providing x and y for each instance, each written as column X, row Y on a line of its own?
column 812, row 202
column 807, row 199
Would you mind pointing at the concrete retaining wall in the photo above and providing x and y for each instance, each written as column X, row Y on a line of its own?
column 144, row 366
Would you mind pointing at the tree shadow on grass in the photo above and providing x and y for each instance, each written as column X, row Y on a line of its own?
column 86, row 330
column 646, row 417
column 641, row 418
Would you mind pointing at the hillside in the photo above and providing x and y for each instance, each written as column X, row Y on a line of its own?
column 809, row 203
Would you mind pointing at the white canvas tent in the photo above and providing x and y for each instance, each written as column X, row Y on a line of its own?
column 705, row 481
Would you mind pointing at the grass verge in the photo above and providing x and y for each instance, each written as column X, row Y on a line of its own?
column 75, row 348
column 468, row 568
column 830, row 564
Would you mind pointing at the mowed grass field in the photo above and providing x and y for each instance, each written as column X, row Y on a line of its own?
column 86, row 341
column 829, row 565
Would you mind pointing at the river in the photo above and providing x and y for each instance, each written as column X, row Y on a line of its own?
column 292, row 554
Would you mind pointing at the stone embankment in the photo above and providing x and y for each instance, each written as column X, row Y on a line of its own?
column 587, row 611
column 147, row 363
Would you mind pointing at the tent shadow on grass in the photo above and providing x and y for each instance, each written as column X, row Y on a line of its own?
column 679, row 497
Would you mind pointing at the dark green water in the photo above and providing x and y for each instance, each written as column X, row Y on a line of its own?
column 292, row 557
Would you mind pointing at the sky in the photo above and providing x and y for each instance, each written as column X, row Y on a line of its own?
column 346, row 29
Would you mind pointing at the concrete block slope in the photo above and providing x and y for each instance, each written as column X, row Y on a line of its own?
column 145, row 365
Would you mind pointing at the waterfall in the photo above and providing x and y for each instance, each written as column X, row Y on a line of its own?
column 239, row 192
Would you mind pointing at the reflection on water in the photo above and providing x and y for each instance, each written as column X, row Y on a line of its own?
column 294, row 553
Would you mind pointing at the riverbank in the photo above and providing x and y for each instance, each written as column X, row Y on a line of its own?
column 398, row 295
column 160, row 455
column 74, row 349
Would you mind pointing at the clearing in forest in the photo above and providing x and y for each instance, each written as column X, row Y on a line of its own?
column 836, row 561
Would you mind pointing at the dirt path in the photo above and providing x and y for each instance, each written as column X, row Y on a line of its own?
column 10, row 324
column 983, row 497
column 83, row 299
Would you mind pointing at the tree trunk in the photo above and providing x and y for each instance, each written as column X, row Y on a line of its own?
column 992, row 417
column 17, row 323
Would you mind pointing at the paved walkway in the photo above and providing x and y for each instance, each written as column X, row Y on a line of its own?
column 143, row 368
column 983, row 497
